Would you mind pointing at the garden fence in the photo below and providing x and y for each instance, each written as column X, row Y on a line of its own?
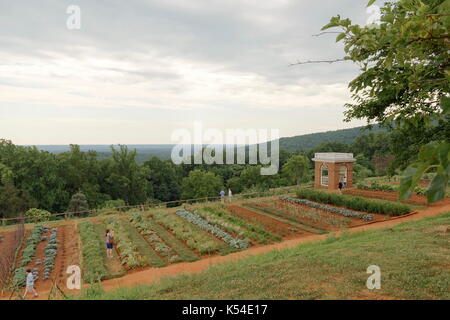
column 168, row 204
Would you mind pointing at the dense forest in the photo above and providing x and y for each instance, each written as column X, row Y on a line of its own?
column 308, row 141
column 32, row 178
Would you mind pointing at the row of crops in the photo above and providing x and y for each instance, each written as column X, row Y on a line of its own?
column 39, row 266
column 341, row 211
column 157, row 238
column 354, row 202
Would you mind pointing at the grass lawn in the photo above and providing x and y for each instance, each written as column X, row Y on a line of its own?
column 414, row 259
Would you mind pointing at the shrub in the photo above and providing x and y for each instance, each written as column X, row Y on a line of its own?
column 110, row 204
column 38, row 215
column 78, row 203
column 355, row 203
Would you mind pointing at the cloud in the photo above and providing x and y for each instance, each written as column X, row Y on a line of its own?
column 166, row 60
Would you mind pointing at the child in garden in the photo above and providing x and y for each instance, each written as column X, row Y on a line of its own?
column 222, row 196
column 30, row 285
column 109, row 243
column 340, row 185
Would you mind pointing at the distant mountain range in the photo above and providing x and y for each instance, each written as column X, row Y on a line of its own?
column 308, row 141
column 163, row 151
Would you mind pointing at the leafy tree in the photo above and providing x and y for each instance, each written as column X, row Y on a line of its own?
column 296, row 169
column 200, row 184
column 78, row 203
column 235, row 185
column 38, row 215
column 128, row 180
column 13, row 201
column 361, row 172
column 404, row 79
column 6, row 175
column 94, row 196
column 165, row 179
column 371, row 144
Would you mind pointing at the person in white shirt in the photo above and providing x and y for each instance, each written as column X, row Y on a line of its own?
column 230, row 195
column 30, row 285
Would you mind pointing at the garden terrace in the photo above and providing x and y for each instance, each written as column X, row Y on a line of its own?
column 217, row 232
column 144, row 226
column 355, row 203
column 94, row 264
column 148, row 224
column 284, row 216
column 133, row 249
column 280, row 230
column 317, row 218
column 219, row 216
column 344, row 212
column 194, row 237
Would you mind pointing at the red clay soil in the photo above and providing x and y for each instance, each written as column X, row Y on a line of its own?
column 8, row 240
column 68, row 252
column 270, row 225
column 393, row 196
column 40, row 284
column 296, row 218
column 281, row 205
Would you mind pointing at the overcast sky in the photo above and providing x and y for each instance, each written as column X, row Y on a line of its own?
column 139, row 69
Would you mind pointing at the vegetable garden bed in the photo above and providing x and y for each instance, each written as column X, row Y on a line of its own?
column 219, row 216
column 282, row 217
column 193, row 236
column 134, row 251
column 354, row 203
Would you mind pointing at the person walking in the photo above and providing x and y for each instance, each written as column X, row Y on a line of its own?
column 340, row 187
column 222, row 196
column 109, row 243
column 230, row 195
column 30, row 285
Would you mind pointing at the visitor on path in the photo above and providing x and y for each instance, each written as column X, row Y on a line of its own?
column 109, row 243
column 30, row 285
column 340, row 187
column 230, row 195
column 222, row 196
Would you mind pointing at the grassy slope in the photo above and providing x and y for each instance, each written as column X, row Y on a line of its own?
column 414, row 259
